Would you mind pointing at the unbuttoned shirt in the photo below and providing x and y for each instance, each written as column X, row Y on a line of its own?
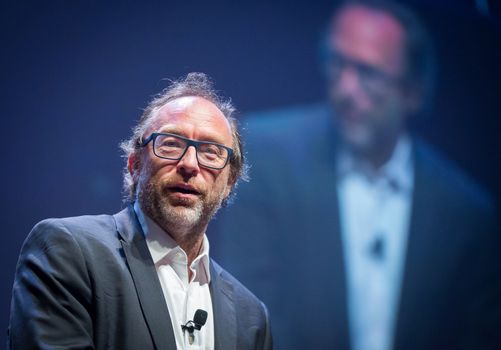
column 182, row 295
column 375, row 208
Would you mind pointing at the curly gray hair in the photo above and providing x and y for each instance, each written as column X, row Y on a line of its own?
column 194, row 84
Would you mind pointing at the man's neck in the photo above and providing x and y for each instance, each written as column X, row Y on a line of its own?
column 190, row 241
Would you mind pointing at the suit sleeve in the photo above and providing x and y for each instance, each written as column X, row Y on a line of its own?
column 51, row 297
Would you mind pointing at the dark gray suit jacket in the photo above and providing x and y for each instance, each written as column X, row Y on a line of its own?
column 89, row 282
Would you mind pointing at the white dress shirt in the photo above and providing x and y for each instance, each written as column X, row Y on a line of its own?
column 375, row 207
column 182, row 295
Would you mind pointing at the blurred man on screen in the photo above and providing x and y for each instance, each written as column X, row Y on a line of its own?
column 356, row 233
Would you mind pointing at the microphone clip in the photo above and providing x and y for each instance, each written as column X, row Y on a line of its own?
column 190, row 326
column 198, row 321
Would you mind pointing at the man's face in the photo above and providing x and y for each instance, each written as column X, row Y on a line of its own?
column 367, row 69
column 180, row 194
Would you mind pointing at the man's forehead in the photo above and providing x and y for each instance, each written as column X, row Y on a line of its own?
column 190, row 104
column 191, row 112
column 375, row 33
column 377, row 21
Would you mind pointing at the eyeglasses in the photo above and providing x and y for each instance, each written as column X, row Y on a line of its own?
column 170, row 146
column 371, row 79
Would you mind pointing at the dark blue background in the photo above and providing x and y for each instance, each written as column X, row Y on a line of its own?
column 76, row 74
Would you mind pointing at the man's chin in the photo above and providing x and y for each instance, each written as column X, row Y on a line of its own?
column 357, row 139
column 182, row 215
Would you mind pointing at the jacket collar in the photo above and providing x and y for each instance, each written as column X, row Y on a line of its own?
column 223, row 306
column 150, row 293
column 145, row 278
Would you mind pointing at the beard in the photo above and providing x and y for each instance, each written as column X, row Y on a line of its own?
column 353, row 126
column 367, row 134
column 177, row 215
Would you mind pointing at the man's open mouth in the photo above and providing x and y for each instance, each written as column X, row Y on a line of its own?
column 184, row 189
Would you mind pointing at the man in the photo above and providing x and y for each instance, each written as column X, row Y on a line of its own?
column 142, row 278
column 357, row 234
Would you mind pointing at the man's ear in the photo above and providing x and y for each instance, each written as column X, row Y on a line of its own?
column 133, row 166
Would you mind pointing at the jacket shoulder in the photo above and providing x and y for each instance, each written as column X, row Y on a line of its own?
column 77, row 230
column 444, row 176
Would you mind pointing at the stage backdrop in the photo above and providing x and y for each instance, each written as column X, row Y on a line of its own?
column 76, row 74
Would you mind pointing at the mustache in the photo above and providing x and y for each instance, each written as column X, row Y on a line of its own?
column 168, row 185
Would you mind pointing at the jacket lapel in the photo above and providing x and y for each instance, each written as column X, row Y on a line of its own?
column 145, row 278
column 329, row 249
column 225, row 322
column 324, row 276
column 420, row 242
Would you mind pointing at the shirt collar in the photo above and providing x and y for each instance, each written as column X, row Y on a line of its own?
column 398, row 170
column 163, row 247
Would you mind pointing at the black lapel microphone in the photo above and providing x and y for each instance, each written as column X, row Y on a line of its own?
column 377, row 248
column 198, row 321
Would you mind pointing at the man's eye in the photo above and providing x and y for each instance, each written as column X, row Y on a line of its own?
column 171, row 143
column 211, row 150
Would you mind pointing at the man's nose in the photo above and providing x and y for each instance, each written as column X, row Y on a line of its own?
column 348, row 81
column 188, row 164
